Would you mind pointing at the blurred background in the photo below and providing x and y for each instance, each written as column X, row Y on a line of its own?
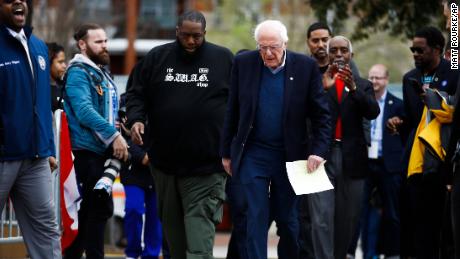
column 380, row 29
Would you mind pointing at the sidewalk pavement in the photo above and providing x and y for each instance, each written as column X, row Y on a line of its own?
column 220, row 247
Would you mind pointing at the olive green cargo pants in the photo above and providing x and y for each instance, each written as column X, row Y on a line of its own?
column 189, row 208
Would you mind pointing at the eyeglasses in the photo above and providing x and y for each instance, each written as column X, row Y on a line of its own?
column 372, row 78
column 195, row 36
column 419, row 50
column 271, row 48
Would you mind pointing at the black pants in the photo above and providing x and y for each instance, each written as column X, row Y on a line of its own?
column 348, row 202
column 94, row 211
column 389, row 187
column 427, row 195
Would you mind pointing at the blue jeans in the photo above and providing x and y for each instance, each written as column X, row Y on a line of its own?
column 265, row 190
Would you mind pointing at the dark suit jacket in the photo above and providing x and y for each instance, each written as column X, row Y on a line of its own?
column 392, row 145
column 353, row 109
column 445, row 80
column 304, row 98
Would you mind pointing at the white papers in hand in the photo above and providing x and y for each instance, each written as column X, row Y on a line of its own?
column 304, row 182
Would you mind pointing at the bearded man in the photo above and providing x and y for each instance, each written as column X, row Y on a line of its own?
column 91, row 104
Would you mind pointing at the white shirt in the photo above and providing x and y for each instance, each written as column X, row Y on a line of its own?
column 21, row 37
column 377, row 124
column 278, row 69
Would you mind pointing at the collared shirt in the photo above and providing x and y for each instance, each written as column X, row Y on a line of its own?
column 377, row 124
column 278, row 69
column 21, row 37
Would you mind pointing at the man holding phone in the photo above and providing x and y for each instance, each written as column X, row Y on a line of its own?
column 351, row 100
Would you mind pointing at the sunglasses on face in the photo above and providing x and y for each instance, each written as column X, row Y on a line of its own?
column 419, row 50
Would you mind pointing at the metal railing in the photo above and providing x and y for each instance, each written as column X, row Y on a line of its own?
column 9, row 227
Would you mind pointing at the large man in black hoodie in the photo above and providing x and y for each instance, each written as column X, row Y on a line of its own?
column 181, row 88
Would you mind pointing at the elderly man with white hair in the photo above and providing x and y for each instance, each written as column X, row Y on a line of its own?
column 351, row 100
column 273, row 92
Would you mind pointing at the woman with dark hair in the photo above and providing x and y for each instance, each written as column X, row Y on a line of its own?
column 57, row 69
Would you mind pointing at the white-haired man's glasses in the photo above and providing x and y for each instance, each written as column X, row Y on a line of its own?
column 272, row 48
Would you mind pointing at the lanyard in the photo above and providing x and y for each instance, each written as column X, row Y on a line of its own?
column 428, row 80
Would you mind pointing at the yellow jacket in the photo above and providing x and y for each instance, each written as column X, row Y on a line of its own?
column 428, row 135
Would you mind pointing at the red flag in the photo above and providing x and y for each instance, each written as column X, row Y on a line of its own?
column 70, row 196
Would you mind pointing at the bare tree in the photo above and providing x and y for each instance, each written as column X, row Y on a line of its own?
column 54, row 21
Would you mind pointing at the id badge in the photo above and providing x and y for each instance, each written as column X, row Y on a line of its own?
column 373, row 150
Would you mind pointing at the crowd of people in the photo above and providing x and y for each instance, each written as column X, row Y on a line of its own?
column 199, row 126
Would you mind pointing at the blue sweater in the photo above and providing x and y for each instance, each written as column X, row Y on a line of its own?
column 268, row 125
column 25, row 104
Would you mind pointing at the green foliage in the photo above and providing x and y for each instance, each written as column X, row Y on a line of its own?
column 377, row 46
column 399, row 17
column 394, row 54
column 235, row 38
column 238, row 21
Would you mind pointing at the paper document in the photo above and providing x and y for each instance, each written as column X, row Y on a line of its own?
column 304, row 182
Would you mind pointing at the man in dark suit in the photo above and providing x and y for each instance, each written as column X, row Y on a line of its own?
column 273, row 92
column 385, row 171
column 426, row 185
column 351, row 99
column 317, row 219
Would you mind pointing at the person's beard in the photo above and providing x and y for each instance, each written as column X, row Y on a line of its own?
column 102, row 58
column 422, row 65
column 320, row 56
